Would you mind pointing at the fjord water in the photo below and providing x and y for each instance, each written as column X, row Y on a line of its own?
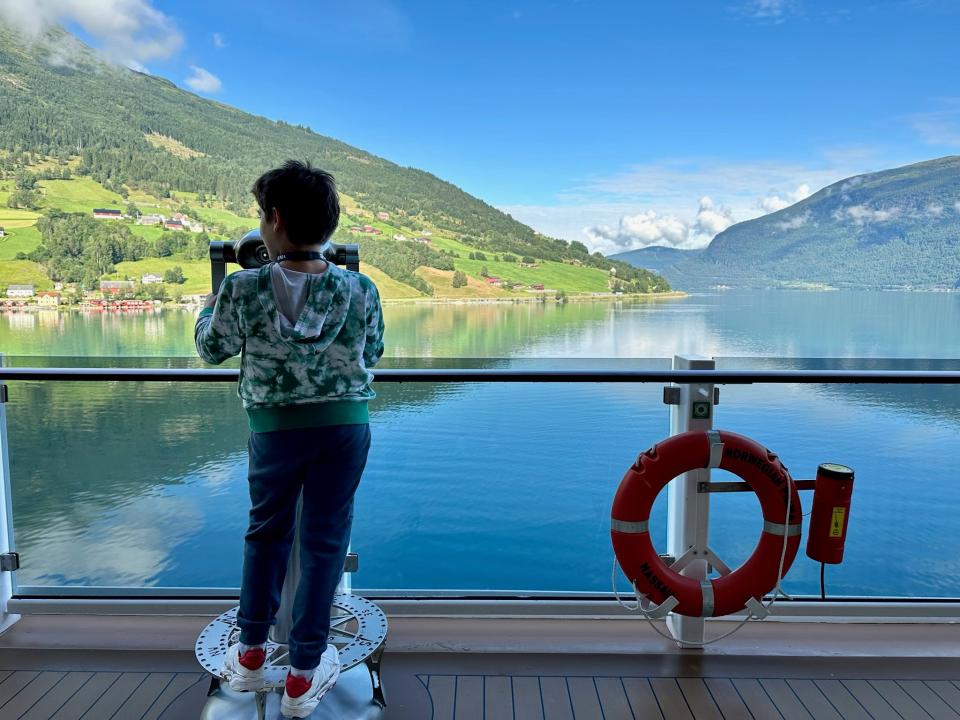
column 493, row 486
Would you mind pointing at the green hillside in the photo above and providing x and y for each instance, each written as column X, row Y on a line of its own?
column 75, row 137
column 895, row 229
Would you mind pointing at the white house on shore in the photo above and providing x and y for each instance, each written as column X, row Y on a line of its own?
column 20, row 291
column 151, row 279
column 48, row 298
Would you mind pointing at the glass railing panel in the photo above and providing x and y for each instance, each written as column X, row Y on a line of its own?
column 476, row 486
column 902, row 442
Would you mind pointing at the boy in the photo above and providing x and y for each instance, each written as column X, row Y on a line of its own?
column 308, row 332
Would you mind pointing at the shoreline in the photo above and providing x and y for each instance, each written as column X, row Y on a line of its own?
column 536, row 299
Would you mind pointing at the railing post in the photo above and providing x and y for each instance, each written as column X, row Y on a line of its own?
column 7, row 582
column 688, row 512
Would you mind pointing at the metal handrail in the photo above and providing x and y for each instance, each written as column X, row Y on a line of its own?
column 456, row 375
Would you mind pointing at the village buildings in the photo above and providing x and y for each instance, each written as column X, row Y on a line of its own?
column 114, row 287
column 107, row 214
column 20, row 291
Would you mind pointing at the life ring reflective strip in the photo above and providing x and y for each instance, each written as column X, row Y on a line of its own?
column 630, row 521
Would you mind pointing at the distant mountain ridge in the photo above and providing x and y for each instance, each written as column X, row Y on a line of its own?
column 893, row 229
column 655, row 258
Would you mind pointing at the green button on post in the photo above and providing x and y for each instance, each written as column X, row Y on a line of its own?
column 701, row 410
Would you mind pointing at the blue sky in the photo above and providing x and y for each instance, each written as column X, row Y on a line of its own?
column 619, row 123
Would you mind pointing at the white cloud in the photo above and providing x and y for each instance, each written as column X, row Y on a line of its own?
column 203, row 81
column 623, row 210
column 797, row 221
column 933, row 210
column 940, row 127
column 772, row 203
column 649, row 228
column 771, row 10
column 712, row 219
column 862, row 215
column 127, row 30
column 219, row 41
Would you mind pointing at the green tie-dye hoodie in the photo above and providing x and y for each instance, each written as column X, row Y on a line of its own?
column 317, row 376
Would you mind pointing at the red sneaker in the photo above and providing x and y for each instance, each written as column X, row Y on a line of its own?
column 253, row 658
column 244, row 672
column 303, row 694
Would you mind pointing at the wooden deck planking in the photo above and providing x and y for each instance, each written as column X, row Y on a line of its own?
column 929, row 700
column 13, row 685
column 527, row 703
column 556, row 699
column 813, row 699
column 443, row 693
column 842, row 699
column 87, row 695
column 30, row 694
column 670, row 697
column 728, row 700
column 177, row 688
column 469, row 698
column 785, row 699
column 498, row 698
column 872, row 701
column 899, row 700
column 58, row 696
column 946, row 691
column 642, row 699
column 613, row 699
column 699, row 699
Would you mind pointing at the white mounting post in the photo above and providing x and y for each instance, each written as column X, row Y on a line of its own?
column 7, row 582
column 688, row 512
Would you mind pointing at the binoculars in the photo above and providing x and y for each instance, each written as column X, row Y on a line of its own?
column 250, row 252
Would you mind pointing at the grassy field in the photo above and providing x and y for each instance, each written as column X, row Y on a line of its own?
column 224, row 217
column 389, row 288
column 79, row 195
column 19, row 240
column 442, row 283
column 10, row 218
column 196, row 272
column 83, row 194
column 148, row 232
column 24, row 272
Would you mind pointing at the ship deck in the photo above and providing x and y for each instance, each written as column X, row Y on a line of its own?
column 128, row 667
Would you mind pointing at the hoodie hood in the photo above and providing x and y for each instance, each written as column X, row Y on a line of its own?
column 324, row 313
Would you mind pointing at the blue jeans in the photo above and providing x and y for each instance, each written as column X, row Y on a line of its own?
column 326, row 464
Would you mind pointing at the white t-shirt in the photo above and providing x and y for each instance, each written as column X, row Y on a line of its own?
column 290, row 289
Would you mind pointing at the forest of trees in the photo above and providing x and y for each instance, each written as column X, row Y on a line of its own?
column 76, row 248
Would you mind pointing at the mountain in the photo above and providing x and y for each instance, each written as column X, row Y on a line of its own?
column 655, row 258
column 67, row 115
column 894, row 229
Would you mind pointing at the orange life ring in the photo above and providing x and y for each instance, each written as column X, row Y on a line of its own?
column 630, row 516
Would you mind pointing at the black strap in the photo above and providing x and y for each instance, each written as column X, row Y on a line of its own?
column 300, row 255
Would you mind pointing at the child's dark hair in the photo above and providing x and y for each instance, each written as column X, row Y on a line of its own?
column 306, row 198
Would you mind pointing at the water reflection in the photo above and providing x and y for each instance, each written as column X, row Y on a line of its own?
column 491, row 486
